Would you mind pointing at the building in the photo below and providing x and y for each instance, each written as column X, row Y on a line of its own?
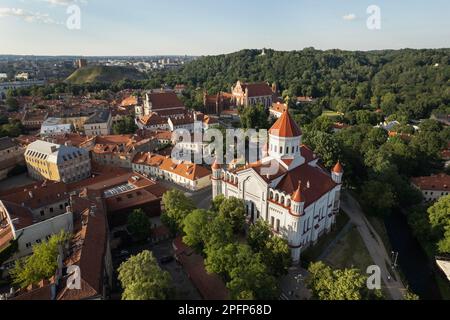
column 278, row 109
column 81, row 63
column 252, row 94
column 288, row 188
column 119, row 150
column 433, row 187
column 100, row 124
column 17, row 223
column 188, row 175
column 54, row 162
column 152, row 122
column 55, row 126
column 11, row 155
column 87, row 249
column 165, row 104
column 217, row 103
column 5, row 86
column 33, row 120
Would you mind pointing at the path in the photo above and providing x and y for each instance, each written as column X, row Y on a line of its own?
column 374, row 245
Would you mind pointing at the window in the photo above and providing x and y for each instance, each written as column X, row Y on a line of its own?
column 28, row 245
column 51, row 210
column 278, row 225
column 272, row 222
column 42, row 213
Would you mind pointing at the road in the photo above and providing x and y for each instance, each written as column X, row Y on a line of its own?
column 374, row 245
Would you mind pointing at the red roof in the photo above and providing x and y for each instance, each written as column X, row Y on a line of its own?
column 285, row 127
column 440, row 182
column 165, row 100
column 257, row 89
column 338, row 168
column 298, row 196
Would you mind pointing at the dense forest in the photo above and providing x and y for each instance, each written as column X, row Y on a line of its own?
column 409, row 83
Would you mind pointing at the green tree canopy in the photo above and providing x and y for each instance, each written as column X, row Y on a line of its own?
column 142, row 279
column 139, row 224
column 328, row 284
column 177, row 207
column 42, row 264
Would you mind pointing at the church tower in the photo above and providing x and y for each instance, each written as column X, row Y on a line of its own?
column 216, row 179
column 285, row 140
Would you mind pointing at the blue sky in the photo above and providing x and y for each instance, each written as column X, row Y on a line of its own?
column 149, row 27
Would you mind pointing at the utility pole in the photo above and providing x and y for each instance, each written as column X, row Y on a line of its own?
column 394, row 259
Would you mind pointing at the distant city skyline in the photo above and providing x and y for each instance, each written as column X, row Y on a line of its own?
column 205, row 27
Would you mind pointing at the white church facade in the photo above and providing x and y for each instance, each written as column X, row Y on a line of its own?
column 288, row 188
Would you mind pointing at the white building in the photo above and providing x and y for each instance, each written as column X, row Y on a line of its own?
column 54, row 127
column 289, row 189
column 188, row 175
column 433, row 187
column 100, row 124
column 18, row 223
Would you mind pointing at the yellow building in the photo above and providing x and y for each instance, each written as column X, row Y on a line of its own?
column 49, row 161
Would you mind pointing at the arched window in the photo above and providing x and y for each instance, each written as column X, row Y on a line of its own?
column 277, row 197
column 271, row 195
column 282, row 200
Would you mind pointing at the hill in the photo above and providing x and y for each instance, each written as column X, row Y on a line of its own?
column 104, row 74
column 408, row 82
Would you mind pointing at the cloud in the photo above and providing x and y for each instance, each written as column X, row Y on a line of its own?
column 28, row 16
column 349, row 17
column 64, row 2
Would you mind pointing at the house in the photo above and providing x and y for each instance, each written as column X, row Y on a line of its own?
column 186, row 174
column 217, row 103
column 33, row 120
column 54, row 162
column 17, row 223
column 55, row 126
column 252, row 94
column 165, row 104
column 88, row 249
column 433, row 187
column 288, row 188
column 100, row 124
column 119, row 150
column 11, row 155
column 152, row 122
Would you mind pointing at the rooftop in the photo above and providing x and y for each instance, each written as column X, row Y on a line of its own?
column 440, row 182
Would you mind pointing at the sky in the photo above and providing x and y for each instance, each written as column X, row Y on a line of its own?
column 208, row 27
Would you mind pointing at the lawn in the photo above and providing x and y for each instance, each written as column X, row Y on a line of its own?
column 332, row 114
column 350, row 252
column 313, row 253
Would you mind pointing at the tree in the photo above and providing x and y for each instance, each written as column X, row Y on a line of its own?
column 258, row 235
column 125, row 126
column 411, row 296
column 233, row 210
column 142, row 279
column 195, row 225
column 378, row 196
column 328, row 284
column 439, row 213
column 254, row 117
column 12, row 104
column 139, row 225
column 246, row 275
column 325, row 145
column 42, row 264
column 177, row 207
column 275, row 251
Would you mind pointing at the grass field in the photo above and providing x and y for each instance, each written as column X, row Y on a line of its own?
column 332, row 114
column 350, row 252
